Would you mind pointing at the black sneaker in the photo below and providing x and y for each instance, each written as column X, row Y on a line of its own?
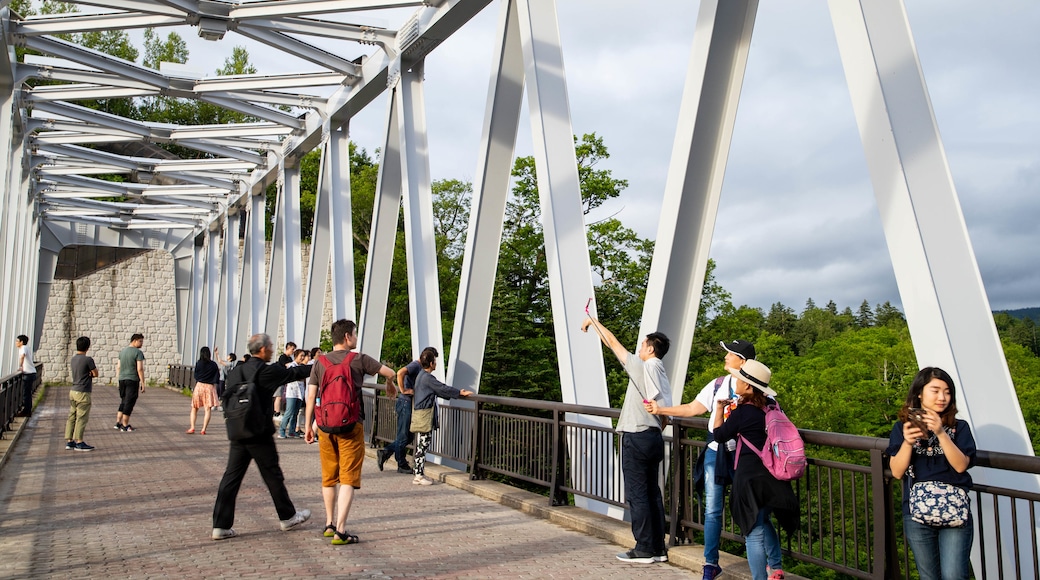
column 69, row 446
column 636, row 557
column 661, row 556
column 129, row 428
column 82, row 446
column 381, row 457
column 404, row 469
column 117, row 426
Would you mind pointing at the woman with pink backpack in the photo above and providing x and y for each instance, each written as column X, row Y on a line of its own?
column 756, row 492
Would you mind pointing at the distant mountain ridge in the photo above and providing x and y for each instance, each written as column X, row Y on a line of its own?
column 1023, row 313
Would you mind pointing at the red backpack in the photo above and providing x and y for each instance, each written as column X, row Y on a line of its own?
column 784, row 451
column 338, row 406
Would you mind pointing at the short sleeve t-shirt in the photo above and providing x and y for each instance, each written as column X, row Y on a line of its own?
column 412, row 371
column 634, row 417
column 82, row 381
column 359, row 367
column 709, row 395
column 27, row 365
column 128, row 358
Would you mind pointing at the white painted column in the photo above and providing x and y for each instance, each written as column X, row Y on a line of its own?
column 344, row 303
column 292, row 257
column 198, row 285
column 230, row 289
column 582, row 375
column 487, row 212
column 941, row 289
column 424, row 299
column 693, row 188
column 381, row 241
column 321, row 249
column 208, row 331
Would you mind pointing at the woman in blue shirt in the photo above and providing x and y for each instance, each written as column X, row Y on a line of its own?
column 929, row 444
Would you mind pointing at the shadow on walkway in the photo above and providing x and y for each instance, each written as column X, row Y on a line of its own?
column 140, row 505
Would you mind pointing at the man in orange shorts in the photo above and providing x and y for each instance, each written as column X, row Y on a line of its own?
column 342, row 454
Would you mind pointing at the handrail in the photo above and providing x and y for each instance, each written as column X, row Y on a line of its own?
column 11, row 394
column 851, row 520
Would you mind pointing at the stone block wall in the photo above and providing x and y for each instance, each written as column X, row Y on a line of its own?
column 110, row 305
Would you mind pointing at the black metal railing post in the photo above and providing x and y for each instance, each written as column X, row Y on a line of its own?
column 374, row 429
column 556, row 495
column 676, row 476
column 477, row 433
column 885, row 557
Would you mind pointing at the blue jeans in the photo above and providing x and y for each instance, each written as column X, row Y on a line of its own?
column 641, row 457
column 399, row 447
column 761, row 540
column 940, row 552
column 714, row 496
column 292, row 409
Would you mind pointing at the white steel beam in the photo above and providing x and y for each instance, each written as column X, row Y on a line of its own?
column 300, row 49
column 276, row 267
column 945, row 301
column 487, row 211
column 376, row 289
column 344, row 302
column 230, row 289
column 700, row 151
column 289, row 206
column 7, row 193
column 213, row 269
column 582, row 375
column 254, row 299
column 424, row 297
column 198, row 292
column 321, row 250
column 272, row 8
column 71, row 23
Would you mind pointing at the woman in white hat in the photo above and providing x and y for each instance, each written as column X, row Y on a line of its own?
column 756, row 493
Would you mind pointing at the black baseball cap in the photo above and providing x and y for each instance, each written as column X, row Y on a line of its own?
column 741, row 348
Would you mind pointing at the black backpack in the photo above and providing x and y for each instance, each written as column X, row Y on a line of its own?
column 243, row 413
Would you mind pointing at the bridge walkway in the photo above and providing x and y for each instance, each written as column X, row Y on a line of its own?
column 140, row 504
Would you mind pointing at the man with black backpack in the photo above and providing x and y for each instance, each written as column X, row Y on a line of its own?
column 253, row 439
column 334, row 402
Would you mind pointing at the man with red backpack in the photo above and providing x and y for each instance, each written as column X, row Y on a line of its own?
column 340, row 418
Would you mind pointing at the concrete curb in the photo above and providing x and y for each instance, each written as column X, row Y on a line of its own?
column 688, row 556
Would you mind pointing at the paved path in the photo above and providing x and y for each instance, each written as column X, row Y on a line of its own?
column 140, row 506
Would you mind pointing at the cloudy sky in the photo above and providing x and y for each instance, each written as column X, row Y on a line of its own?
column 797, row 218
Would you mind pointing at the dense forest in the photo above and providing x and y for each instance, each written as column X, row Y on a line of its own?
column 836, row 368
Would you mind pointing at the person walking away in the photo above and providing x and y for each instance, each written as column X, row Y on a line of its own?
column 642, row 443
column 294, row 395
column 934, row 449
column 130, row 372
column 27, row 367
column 424, row 415
column 204, row 396
column 714, row 469
column 83, row 372
column 399, row 448
column 342, row 454
column 260, row 448
column 756, row 493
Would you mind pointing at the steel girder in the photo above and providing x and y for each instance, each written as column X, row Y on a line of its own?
column 943, row 296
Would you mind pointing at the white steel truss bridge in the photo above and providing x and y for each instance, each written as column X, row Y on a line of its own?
column 55, row 149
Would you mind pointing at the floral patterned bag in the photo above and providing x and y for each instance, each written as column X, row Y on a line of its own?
column 938, row 504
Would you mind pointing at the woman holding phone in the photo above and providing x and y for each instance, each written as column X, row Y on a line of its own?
column 424, row 410
column 934, row 450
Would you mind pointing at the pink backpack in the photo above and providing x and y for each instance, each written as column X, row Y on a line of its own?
column 784, row 451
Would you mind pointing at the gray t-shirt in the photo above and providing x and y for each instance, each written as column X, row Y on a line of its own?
column 634, row 417
column 414, row 368
column 82, row 380
column 128, row 358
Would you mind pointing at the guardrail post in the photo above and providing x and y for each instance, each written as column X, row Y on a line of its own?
column 885, row 558
column 556, row 496
column 677, row 476
column 475, row 445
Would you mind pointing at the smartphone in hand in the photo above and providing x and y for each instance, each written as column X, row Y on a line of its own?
column 916, row 418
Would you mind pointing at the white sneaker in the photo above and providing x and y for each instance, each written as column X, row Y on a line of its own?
column 422, row 480
column 222, row 534
column 300, row 517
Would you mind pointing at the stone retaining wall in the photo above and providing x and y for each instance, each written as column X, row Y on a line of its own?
column 112, row 304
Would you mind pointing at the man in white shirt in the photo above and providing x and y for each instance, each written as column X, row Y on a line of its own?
column 721, row 389
column 28, row 370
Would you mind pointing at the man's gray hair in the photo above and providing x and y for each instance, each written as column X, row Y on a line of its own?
column 257, row 342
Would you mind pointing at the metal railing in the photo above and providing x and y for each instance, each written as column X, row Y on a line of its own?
column 11, row 393
column 850, row 508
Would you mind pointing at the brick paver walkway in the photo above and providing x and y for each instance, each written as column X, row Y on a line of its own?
column 140, row 506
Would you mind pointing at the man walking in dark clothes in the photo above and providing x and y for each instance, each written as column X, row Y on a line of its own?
column 260, row 448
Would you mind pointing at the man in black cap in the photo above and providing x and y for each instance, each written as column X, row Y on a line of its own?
column 717, row 454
